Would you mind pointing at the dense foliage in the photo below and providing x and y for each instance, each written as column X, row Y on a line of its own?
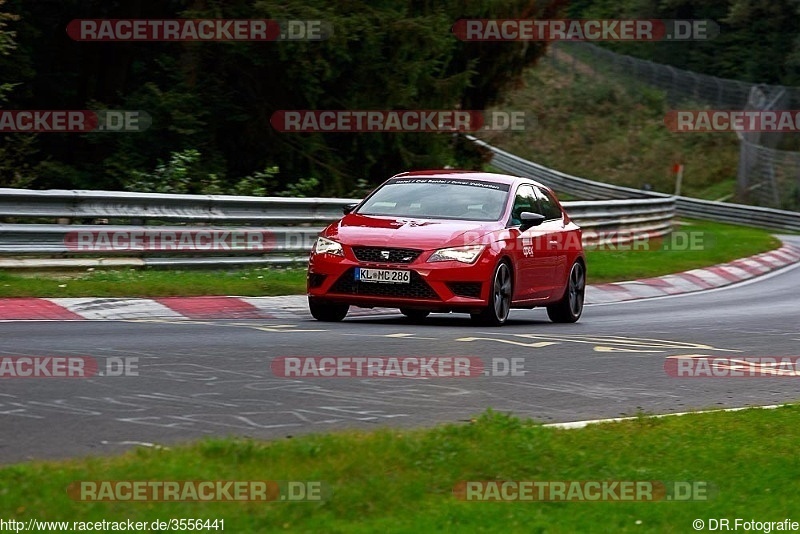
column 211, row 102
column 758, row 42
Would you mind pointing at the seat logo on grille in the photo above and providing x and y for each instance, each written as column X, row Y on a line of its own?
column 385, row 254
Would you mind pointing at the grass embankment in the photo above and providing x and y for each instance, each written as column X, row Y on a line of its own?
column 712, row 243
column 590, row 126
column 155, row 283
column 402, row 481
column 692, row 245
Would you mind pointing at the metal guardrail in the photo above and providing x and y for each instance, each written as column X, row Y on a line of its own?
column 603, row 222
column 557, row 180
column 167, row 207
column 760, row 217
column 612, row 214
column 757, row 216
column 622, row 221
column 28, row 239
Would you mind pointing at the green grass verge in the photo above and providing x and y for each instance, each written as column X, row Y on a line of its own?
column 402, row 481
column 155, row 283
column 720, row 243
column 717, row 243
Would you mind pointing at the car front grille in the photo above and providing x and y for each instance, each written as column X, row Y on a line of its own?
column 416, row 289
column 378, row 254
column 466, row 289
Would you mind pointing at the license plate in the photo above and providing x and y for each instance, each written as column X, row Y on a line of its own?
column 383, row 276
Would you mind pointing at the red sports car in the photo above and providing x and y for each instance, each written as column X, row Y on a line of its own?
column 451, row 241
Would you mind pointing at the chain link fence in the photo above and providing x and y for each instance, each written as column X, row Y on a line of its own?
column 769, row 167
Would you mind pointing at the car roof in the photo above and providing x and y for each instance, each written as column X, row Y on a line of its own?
column 470, row 175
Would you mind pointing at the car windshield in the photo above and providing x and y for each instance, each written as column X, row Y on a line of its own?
column 438, row 198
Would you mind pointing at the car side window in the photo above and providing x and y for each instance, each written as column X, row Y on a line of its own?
column 525, row 200
column 549, row 206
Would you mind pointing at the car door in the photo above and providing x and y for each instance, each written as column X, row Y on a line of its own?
column 533, row 273
column 554, row 236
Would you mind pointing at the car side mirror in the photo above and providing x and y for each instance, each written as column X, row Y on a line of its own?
column 348, row 208
column 529, row 220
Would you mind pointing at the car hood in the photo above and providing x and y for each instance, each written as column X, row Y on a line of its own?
column 406, row 232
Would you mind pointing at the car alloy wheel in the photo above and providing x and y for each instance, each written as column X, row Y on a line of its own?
column 501, row 288
column 570, row 307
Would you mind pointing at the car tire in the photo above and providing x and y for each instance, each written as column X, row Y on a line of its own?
column 570, row 307
column 330, row 312
column 415, row 315
column 501, row 289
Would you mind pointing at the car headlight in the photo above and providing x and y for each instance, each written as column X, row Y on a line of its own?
column 326, row 246
column 463, row 254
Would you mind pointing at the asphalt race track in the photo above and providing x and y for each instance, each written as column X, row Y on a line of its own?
column 197, row 379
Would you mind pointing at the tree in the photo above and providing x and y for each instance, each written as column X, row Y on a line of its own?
column 216, row 99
